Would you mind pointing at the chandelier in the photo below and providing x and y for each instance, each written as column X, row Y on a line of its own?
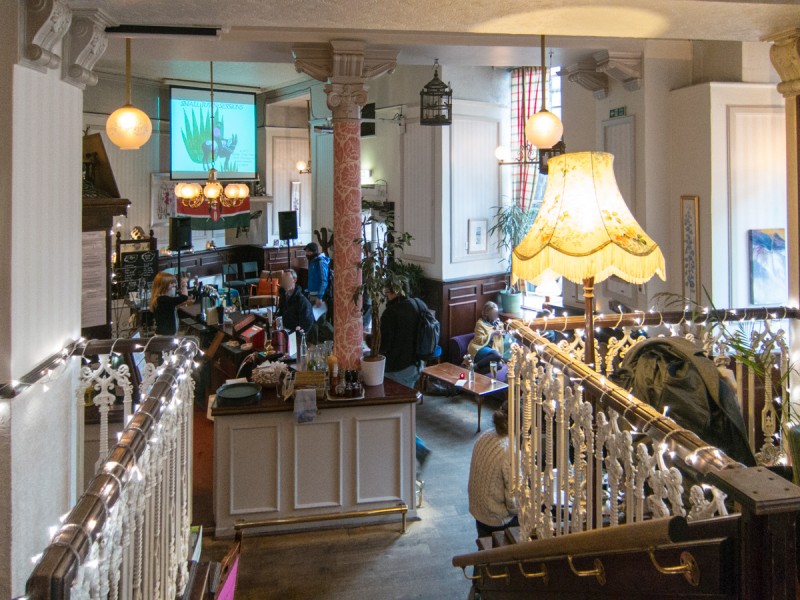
column 193, row 195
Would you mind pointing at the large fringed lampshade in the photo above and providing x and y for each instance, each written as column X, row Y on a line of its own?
column 585, row 232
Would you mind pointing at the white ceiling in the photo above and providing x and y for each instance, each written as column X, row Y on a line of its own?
column 254, row 46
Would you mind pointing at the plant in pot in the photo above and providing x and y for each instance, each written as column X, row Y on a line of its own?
column 380, row 270
column 512, row 222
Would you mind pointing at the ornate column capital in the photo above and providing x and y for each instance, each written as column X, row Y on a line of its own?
column 625, row 67
column 346, row 99
column 785, row 57
column 343, row 61
column 584, row 73
column 84, row 44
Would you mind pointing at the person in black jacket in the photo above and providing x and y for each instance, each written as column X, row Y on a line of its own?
column 293, row 307
column 399, row 338
column 165, row 300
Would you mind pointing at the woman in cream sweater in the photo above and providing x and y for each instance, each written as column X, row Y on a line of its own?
column 490, row 498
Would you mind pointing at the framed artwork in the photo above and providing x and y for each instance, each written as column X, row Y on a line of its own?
column 690, row 247
column 294, row 199
column 768, row 274
column 163, row 204
column 476, row 232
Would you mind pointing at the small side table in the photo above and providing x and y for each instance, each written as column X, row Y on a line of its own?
column 482, row 386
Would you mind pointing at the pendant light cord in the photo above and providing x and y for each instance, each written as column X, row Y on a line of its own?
column 211, row 68
column 127, row 70
column 544, row 77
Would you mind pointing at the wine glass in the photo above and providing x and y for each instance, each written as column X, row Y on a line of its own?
column 493, row 371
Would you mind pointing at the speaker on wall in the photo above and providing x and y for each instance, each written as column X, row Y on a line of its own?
column 287, row 225
column 180, row 233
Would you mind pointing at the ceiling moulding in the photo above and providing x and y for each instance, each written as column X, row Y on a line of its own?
column 42, row 25
column 84, row 44
column 625, row 67
column 584, row 73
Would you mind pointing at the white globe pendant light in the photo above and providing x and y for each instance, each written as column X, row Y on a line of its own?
column 128, row 127
column 544, row 129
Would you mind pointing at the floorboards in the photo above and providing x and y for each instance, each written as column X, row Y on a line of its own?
column 378, row 561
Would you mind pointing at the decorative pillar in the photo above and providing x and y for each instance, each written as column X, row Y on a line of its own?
column 785, row 57
column 346, row 65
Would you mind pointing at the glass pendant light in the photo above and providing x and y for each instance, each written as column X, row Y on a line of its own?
column 128, row 127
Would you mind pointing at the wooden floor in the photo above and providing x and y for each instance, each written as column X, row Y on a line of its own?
column 378, row 562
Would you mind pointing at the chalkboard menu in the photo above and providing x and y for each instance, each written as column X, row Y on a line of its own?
column 135, row 267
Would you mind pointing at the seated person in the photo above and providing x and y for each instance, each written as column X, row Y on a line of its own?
column 487, row 345
column 294, row 308
column 490, row 498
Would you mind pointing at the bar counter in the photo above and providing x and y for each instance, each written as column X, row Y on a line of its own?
column 356, row 455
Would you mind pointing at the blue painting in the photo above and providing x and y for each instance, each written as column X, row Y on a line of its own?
column 768, row 281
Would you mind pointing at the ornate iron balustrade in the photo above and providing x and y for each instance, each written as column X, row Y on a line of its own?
column 128, row 534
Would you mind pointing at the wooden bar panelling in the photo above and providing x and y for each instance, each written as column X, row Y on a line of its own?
column 208, row 263
column 458, row 303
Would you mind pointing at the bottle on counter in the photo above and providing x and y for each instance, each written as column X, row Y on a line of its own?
column 333, row 371
column 302, row 351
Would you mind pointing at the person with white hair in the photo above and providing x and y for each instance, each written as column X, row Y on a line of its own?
column 487, row 345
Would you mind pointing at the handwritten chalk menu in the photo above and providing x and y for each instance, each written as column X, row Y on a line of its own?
column 135, row 267
column 94, row 279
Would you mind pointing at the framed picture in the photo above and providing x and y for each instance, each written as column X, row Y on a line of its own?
column 163, row 204
column 768, row 274
column 294, row 199
column 690, row 247
column 476, row 231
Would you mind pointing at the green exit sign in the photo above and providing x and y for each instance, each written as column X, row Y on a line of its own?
column 616, row 112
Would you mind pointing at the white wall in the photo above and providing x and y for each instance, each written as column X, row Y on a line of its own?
column 712, row 122
column 40, row 303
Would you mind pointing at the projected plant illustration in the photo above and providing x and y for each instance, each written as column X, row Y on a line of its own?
column 198, row 140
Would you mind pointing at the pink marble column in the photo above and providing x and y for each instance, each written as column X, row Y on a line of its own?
column 347, row 325
column 346, row 65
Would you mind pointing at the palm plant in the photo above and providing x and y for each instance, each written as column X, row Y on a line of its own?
column 512, row 223
column 379, row 267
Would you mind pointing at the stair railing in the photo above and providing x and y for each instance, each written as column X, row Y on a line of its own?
column 587, row 456
column 763, row 394
column 128, row 534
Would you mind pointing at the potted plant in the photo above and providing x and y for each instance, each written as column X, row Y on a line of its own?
column 380, row 270
column 512, row 223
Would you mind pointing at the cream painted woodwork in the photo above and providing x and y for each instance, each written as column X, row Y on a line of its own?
column 286, row 146
column 474, row 181
column 618, row 139
column 728, row 147
column 267, row 466
column 418, row 212
column 757, row 186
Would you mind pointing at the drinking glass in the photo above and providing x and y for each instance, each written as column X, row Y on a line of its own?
column 493, row 371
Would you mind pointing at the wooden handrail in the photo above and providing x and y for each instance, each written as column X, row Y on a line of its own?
column 640, row 319
column 634, row 536
column 54, row 573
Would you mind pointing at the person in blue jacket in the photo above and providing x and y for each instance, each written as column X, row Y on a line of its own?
column 317, row 273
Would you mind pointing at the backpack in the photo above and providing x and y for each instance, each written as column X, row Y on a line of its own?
column 428, row 329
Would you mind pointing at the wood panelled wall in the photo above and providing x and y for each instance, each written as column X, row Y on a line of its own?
column 458, row 303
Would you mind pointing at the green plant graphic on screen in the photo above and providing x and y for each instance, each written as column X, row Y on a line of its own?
column 198, row 140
